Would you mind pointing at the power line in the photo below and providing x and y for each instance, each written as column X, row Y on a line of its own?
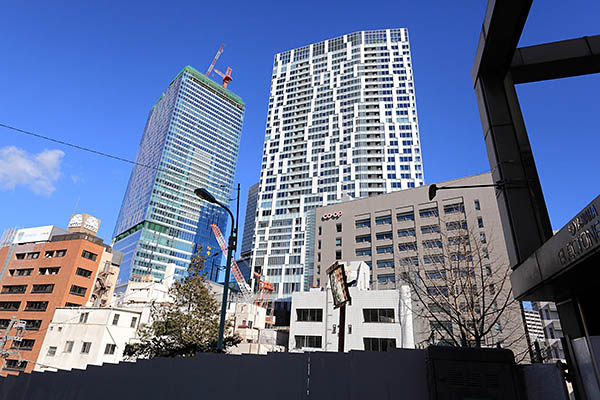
column 75, row 146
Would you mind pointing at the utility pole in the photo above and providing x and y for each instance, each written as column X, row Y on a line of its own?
column 19, row 325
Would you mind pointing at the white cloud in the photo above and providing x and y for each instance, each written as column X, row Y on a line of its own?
column 39, row 171
column 77, row 179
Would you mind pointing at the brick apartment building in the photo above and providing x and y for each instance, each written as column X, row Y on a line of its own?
column 45, row 268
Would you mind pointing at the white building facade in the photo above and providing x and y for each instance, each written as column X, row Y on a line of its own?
column 78, row 337
column 342, row 123
column 535, row 328
column 377, row 320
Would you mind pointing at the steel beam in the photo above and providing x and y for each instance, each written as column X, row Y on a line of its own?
column 556, row 60
column 522, row 207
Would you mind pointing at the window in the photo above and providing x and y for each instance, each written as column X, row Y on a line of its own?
column 363, row 239
column 454, row 208
column 116, row 319
column 55, row 253
column 49, row 271
column 477, row 205
column 51, row 351
column 308, row 341
column 309, row 314
column 69, row 304
column 338, row 227
column 384, row 236
column 385, row 249
column 133, row 322
column 451, row 226
column 409, row 261
column 428, row 212
column 433, row 259
column 338, row 242
column 12, row 289
column 363, row 252
column 437, row 290
column 69, row 346
column 21, row 272
column 480, row 222
column 385, row 315
column 407, row 246
column 432, row 244
column 406, row 232
column 365, row 223
column 77, row 290
column 498, row 327
column 379, row 344
column 43, row 288
column 33, row 324
column 83, row 317
column 385, row 263
column 83, row 272
column 488, row 269
column 110, row 348
column 15, row 365
column 437, row 308
column 32, row 256
column 338, row 254
column 430, row 229
column 24, row 344
column 406, row 216
column 435, row 274
column 482, row 236
column 36, row 306
column 386, row 278
column 442, row 327
column 383, row 220
column 85, row 347
column 459, row 240
column 89, row 255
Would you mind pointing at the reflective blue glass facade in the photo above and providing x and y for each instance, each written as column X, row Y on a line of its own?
column 191, row 140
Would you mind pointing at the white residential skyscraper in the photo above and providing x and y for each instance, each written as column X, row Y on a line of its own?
column 342, row 123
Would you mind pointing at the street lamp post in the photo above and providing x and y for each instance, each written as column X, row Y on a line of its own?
column 205, row 195
column 433, row 188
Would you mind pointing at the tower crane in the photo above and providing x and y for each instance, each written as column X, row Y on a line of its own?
column 227, row 75
column 237, row 274
column 264, row 289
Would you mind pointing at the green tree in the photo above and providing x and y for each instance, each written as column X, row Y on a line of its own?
column 185, row 326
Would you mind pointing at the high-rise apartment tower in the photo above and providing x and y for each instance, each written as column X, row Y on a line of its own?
column 191, row 140
column 249, row 220
column 342, row 123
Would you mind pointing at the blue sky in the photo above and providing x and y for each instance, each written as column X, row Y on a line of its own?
column 89, row 72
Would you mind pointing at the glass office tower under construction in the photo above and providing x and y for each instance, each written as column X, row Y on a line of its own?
column 191, row 140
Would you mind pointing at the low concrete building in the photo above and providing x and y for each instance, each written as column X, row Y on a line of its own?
column 78, row 337
column 376, row 320
column 248, row 321
column 552, row 328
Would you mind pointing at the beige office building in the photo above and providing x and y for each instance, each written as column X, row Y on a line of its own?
column 404, row 231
